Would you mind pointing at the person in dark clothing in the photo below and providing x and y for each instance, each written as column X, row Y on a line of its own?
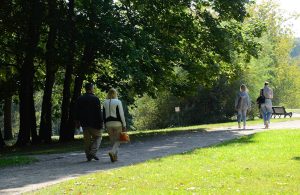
column 260, row 100
column 88, row 115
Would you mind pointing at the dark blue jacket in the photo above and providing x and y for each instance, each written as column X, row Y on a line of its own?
column 88, row 111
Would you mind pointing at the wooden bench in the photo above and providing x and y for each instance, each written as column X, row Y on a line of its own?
column 280, row 110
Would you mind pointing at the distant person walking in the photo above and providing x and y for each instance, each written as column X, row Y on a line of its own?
column 260, row 100
column 88, row 115
column 266, row 107
column 242, row 105
column 114, row 121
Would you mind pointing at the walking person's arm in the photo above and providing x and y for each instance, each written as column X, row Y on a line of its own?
column 122, row 115
column 249, row 102
column 100, row 113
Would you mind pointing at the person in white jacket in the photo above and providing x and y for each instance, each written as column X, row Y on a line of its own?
column 266, row 107
column 242, row 105
column 114, row 121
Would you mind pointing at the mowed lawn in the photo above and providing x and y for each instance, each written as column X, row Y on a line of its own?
column 265, row 163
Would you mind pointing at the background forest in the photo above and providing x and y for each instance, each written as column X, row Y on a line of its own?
column 157, row 54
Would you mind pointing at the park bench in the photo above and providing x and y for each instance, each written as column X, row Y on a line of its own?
column 280, row 110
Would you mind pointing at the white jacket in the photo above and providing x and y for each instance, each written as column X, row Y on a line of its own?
column 110, row 107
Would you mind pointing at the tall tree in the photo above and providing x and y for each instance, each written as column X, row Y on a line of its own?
column 7, row 118
column 274, row 63
column 11, row 51
column 88, row 36
column 51, row 68
column 65, row 107
column 2, row 143
column 27, row 108
column 159, row 36
column 87, row 60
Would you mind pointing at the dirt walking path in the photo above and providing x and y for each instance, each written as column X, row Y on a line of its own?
column 55, row 168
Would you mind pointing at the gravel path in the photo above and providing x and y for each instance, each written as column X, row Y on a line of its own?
column 55, row 168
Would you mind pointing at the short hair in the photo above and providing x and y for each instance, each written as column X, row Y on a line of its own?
column 88, row 86
column 266, row 83
column 112, row 94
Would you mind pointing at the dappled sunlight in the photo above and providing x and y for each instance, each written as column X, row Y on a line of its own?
column 157, row 148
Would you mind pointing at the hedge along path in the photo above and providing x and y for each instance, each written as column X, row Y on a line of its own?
column 55, row 168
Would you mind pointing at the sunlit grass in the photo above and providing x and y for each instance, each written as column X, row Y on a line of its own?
column 265, row 163
column 214, row 126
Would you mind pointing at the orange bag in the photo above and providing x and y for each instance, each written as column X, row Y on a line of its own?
column 124, row 137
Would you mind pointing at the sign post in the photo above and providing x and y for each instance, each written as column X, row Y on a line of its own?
column 177, row 110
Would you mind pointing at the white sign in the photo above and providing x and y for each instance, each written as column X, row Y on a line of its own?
column 177, row 109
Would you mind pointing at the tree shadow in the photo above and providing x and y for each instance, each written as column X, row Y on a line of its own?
column 296, row 158
column 247, row 139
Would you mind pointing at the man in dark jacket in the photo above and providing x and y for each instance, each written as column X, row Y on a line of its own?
column 88, row 115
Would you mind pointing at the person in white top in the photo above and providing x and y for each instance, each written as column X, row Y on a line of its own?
column 114, row 119
column 266, row 107
column 242, row 104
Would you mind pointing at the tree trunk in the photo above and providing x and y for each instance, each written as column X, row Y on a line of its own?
column 7, row 118
column 76, row 94
column 46, row 115
column 24, row 96
column 63, row 133
column 27, row 111
column 33, row 130
column 2, row 143
column 87, row 60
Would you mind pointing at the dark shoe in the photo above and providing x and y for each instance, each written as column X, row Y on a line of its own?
column 112, row 157
column 89, row 158
column 95, row 157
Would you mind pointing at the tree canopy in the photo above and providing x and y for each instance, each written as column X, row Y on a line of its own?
column 183, row 47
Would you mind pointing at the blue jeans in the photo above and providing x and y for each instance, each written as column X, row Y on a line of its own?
column 267, row 116
column 266, row 109
column 242, row 116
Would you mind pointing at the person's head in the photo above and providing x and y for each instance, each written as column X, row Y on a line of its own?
column 112, row 94
column 89, row 87
column 243, row 88
column 266, row 83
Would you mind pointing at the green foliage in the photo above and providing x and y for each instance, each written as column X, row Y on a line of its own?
column 184, row 53
column 208, row 105
column 156, row 113
column 274, row 63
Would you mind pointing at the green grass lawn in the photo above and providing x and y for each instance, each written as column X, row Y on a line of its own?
column 264, row 163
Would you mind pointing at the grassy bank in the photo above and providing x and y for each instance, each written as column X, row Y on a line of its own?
column 265, row 163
